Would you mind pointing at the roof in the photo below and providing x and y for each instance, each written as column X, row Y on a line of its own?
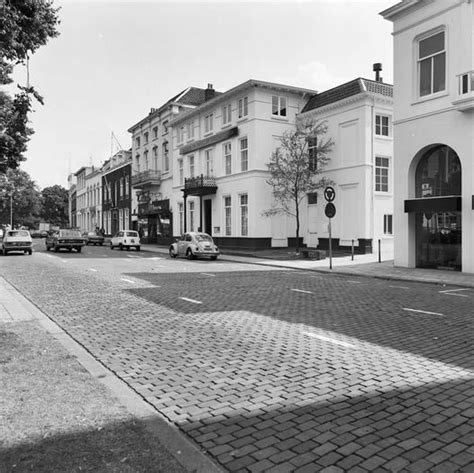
column 192, row 96
column 346, row 90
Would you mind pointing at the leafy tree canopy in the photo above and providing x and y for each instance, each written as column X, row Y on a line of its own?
column 55, row 205
column 295, row 167
column 25, row 26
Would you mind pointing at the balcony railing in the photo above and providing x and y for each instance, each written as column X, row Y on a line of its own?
column 465, row 91
column 200, row 185
column 146, row 178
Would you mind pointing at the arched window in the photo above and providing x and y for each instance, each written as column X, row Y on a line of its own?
column 438, row 173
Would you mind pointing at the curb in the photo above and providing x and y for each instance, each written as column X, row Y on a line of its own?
column 176, row 443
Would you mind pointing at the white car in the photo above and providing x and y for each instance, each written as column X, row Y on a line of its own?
column 125, row 239
column 17, row 240
column 194, row 244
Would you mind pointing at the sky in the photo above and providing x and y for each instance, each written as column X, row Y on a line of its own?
column 114, row 60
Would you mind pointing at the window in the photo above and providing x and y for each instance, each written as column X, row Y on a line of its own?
column 180, row 134
column 155, row 158
column 126, row 218
column 190, row 130
column 137, row 142
column 312, row 198
column 381, row 125
column 278, row 106
column 244, row 215
column 145, row 154
column 181, row 172
column 243, row 107
column 381, row 174
column 209, row 162
column 137, row 163
column 165, row 127
column 155, row 132
column 228, row 215
column 122, row 187
column 208, row 123
column 432, row 64
column 181, row 217
column 145, row 137
column 127, row 185
column 166, row 158
column 244, row 155
column 388, row 224
column 313, row 153
column 228, row 158
column 191, row 165
column 191, row 216
column 226, row 114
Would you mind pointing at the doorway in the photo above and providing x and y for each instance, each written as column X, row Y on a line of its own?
column 208, row 216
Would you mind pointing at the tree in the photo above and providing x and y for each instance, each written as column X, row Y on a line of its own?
column 19, row 198
column 26, row 25
column 55, row 205
column 295, row 168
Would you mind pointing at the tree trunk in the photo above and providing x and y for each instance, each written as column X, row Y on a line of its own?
column 297, row 228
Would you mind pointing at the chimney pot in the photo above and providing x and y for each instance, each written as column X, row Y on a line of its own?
column 209, row 93
column 377, row 67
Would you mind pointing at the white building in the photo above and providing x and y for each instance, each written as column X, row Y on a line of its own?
column 220, row 151
column 433, row 133
column 359, row 118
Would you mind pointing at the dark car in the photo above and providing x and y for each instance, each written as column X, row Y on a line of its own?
column 93, row 238
column 64, row 238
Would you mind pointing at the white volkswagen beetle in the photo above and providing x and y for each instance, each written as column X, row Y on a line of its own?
column 194, row 244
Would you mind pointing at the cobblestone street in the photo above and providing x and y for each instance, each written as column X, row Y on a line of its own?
column 278, row 370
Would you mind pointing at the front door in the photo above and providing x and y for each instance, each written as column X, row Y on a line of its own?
column 208, row 216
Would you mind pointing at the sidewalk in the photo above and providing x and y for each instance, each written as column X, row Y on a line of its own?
column 363, row 265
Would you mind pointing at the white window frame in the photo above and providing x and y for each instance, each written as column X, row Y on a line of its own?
column 244, row 214
column 243, row 107
column 181, row 217
column 380, row 127
column 227, row 152
column 209, row 161
column 155, row 132
column 388, row 224
column 181, row 171
column 191, row 215
column 227, row 215
column 180, row 134
column 227, row 114
column 155, row 157
column 145, row 137
column 431, row 59
column 209, row 123
column 191, row 165
column 244, row 154
column 279, row 106
column 379, row 176
column 190, row 130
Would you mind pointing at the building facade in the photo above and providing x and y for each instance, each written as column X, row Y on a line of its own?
column 117, row 198
column 359, row 116
column 220, row 152
column 433, row 133
column 152, row 173
column 82, row 207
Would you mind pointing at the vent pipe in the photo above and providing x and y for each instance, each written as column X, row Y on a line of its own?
column 377, row 67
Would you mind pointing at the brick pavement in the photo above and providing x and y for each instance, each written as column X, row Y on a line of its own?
column 266, row 379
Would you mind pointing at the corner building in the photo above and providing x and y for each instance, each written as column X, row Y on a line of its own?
column 433, row 134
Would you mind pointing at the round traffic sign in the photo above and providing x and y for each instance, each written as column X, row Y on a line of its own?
column 330, row 210
column 329, row 193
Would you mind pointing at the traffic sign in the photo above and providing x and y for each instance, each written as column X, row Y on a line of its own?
column 329, row 193
column 330, row 210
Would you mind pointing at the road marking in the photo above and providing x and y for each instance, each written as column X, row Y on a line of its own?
column 353, row 282
column 399, row 287
column 450, row 292
column 301, row 290
column 328, row 339
column 64, row 260
column 190, row 300
column 209, row 274
column 422, row 311
column 92, row 269
column 128, row 280
column 155, row 257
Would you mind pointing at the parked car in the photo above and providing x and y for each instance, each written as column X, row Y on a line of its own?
column 93, row 238
column 35, row 234
column 17, row 240
column 64, row 238
column 43, row 233
column 194, row 244
column 125, row 239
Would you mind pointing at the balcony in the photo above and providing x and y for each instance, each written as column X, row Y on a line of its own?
column 201, row 185
column 146, row 179
column 465, row 91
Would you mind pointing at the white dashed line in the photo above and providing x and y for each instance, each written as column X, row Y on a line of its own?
column 92, row 269
column 301, row 290
column 328, row 339
column 451, row 292
column 128, row 280
column 422, row 311
column 190, row 300
column 354, row 282
column 209, row 274
column 399, row 287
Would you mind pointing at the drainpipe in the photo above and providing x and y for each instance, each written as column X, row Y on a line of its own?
column 185, row 208
column 372, row 173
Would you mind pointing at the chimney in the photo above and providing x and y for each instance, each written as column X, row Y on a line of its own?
column 377, row 68
column 209, row 93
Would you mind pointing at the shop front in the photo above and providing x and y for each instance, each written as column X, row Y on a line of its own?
column 154, row 221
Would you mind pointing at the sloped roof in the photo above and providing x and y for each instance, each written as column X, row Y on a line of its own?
column 192, row 96
column 346, row 90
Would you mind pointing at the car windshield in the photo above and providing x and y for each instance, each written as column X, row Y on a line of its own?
column 92, row 234
column 203, row 237
column 70, row 233
column 18, row 233
column 132, row 234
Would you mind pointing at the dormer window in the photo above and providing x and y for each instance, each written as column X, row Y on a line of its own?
column 432, row 64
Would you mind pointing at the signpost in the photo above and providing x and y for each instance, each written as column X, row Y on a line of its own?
column 330, row 212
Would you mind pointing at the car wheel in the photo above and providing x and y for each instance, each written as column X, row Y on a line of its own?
column 101, row 244
column 79, row 249
column 138, row 248
column 172, row 253
column 120, row 247
column 128, row 248
column 213, row 258
column 5, row 252
column 189, row 254
column 30, row 252
column 47, row 248
column 56, row 249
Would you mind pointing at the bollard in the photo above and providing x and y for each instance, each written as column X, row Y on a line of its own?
column 380, row 252
column 352, row 250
